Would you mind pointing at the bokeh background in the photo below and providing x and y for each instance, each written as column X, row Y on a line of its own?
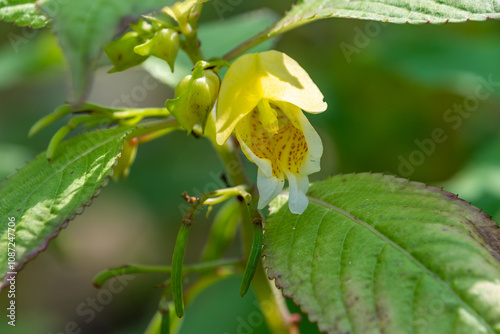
column 389, row 89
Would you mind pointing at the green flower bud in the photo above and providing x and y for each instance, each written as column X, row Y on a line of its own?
column 142, row 27
column 121, row 52
column 129, row 151
column 195, row 97
column 164, row 45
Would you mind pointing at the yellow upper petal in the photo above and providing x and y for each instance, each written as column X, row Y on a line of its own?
column 287, row 81
column 270, row 75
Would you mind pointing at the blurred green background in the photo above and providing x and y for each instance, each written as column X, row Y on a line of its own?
column 405, row 100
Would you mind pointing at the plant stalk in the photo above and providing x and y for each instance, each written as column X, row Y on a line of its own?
column 272, row 304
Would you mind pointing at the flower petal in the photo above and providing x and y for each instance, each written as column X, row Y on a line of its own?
column 287, row 81
column 253, row 138
column 268, row 75
column 269, row 187
column 298, row 185
column 305, row 131
column 239, row 94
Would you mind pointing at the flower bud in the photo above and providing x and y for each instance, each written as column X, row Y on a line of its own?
column 129, row 151
column 195, row 97
column 164, row 45
column 121, row 52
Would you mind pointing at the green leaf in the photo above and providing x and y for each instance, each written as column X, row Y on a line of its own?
column 378, row 254
column 43, row 196
column 84, row 27
column 402, row 11
column 479, row 180
column 22, row 12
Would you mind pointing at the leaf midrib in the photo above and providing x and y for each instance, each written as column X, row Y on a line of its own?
column 406, row 254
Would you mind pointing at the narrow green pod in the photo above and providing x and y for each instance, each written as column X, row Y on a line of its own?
column 49, row 119
column 253, row 258
column 177, row 261
column 165, row 310
column 165, row 323
column 56, row 140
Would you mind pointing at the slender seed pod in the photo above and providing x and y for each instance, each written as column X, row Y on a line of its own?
column 177, row 260
column 56, row 140
column 253, row 258
column 165, row 323
column 165, row 310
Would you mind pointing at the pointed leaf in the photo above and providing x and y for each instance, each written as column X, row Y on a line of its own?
column 22, row 12
column 377, row 254
column 43, row 196
column 84, row 27
column 395, row 11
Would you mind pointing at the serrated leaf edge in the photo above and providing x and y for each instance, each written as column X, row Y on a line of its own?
column 297, row 21
column 494, row 252
column 77, row 212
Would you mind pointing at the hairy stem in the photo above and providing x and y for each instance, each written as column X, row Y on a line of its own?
column 272, row 304
column 247, row 45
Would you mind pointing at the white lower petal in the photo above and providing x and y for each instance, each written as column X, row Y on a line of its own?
column 298, row 185
column 269, row 187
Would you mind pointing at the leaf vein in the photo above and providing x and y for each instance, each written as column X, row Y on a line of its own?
column 405, row 253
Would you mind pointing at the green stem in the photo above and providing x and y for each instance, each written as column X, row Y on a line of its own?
column 232, row 161
column 272, row 304
column 147, row 128
column 247, row 45
column 192, row 47
column 146, row 112
column 105, row 275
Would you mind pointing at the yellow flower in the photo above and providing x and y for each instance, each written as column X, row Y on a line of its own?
column 262, row 97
